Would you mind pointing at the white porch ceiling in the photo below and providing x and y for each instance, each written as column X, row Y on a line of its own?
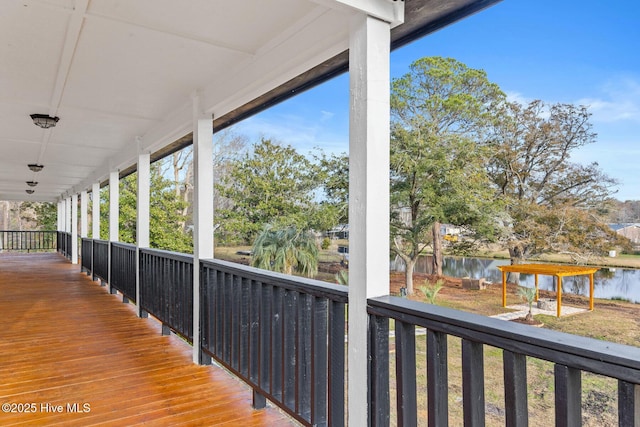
column 115, row 71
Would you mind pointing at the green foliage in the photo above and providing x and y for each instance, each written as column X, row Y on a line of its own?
column 463, row 248
column 46, row 215
column 326, row 242
column 527, row 294
column 20, row 215
column 272, row 184
column 127, row 216
column 342, row 277
column 285, row 250
column 430, row 290
column 104, row 213
column 441, row 111
column 333, row 174
column 166, row 219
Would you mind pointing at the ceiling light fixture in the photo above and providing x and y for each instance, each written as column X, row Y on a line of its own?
column 44, row 121
column 29, row 191
column 32, row 183
column 35, row 167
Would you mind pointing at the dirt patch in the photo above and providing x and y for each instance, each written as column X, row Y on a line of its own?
column 330, row 267
column 524, row 321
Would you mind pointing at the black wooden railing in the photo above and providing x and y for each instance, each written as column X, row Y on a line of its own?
column 86, row 255
column 28, row 240
column 101, row 260
column 68, row 244
column 59, row 242
column 283, row 335
column 63, row 244
column 166, row 289
column 570, row 354
column 123, row 269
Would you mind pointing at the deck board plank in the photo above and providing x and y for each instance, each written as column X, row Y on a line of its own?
column 65, row 340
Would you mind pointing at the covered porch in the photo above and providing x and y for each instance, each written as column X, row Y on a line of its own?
column 73, row 354
column 126, row 83
column 285, row 337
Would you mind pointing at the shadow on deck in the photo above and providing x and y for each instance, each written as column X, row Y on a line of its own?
column 75, row 355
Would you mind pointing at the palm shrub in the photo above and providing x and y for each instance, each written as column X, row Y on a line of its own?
column 528, row 295
column 342, row 277
column 430, row 290
column 286, row 250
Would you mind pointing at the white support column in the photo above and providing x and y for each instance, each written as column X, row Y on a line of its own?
column 74, row 228
column 114, row 215
column 84, row 214
column 114, row 206
column 202, row 209
column 143, row 216
column 368, row 193
column 60, row 216
column 95, row 211
column 67, row 215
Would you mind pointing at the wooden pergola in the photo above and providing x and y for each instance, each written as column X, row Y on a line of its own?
column 559, row 271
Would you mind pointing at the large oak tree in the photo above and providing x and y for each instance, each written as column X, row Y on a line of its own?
column 441, row 111
column 553, row 204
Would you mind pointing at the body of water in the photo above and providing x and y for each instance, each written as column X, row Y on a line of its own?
column 609, row 283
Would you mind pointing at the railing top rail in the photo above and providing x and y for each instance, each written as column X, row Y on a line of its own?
column 124, row 245
column 177, row 256
column 314, row 287
column 101, row 242
column 602, row 357
column 28, row 231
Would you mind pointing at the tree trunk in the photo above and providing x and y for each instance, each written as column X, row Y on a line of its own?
column 437, row 249
column 5, row 215
column 529, row 316
column 176, row 173
column 516, row 255
column 409, row 264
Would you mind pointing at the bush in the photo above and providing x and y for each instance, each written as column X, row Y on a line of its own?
column 326, row 242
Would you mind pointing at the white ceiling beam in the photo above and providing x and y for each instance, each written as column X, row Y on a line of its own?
column 391, row 11
column 66, row 58
column 212, row 42
column 68, row 51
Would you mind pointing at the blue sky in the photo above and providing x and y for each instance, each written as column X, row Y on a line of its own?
column 580, row 52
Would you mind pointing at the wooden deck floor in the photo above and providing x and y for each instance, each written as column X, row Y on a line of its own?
column 66, row 344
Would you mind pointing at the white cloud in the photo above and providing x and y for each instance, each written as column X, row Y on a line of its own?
column 518, row 97
column 326, row 115
column 304, row 133
column 619, row 101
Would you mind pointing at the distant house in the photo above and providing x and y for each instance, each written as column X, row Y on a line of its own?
column 448, row 229
column 339, row 232
column 629, row 230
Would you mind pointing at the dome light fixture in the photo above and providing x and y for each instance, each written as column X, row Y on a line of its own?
column 35, row 167
column 32, row 183
column 30, row 191
column 44, row 121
